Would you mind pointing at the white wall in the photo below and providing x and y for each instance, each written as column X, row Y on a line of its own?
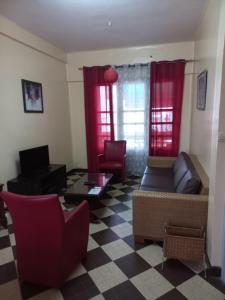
column 205, row 59
column 122, row 56
column 217, row 164
column 12, row 30
column 209, row 47
column 217, row 208
column 20, row 58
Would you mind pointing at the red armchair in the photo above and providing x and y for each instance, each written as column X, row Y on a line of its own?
column 49, row 243
column 113, row 159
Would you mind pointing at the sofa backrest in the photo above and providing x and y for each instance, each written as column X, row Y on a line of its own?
column 189, row 176
column 204, row 189
column 180, row 168
column 189, row 184
column 186, row 179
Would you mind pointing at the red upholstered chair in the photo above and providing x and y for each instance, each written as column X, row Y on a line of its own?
column 113, row 159
column 49, row 243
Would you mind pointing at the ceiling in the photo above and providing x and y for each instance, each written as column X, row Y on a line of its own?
column 77, row 25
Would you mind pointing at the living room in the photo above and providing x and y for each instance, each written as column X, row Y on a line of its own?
column 35, row 57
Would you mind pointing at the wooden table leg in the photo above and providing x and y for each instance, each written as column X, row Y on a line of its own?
column 3, row 220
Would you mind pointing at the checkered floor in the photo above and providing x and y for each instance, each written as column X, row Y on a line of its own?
column 115, row 267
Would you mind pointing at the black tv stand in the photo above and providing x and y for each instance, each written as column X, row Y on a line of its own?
column 49, row 180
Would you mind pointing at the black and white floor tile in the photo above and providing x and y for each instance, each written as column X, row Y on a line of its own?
column 115, row 267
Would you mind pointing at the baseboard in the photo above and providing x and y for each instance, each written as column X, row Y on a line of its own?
column 212, row 271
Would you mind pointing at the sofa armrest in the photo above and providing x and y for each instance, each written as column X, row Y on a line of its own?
column 160, row 161
column 151, row 210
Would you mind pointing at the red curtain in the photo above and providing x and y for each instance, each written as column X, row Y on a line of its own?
column 98, row 113
column 166, row 92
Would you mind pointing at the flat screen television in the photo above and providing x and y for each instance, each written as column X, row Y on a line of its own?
column 33, row 160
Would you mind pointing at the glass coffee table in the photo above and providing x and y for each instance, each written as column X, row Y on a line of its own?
column 90, row 187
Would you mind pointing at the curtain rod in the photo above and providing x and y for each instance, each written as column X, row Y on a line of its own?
column 144, row 64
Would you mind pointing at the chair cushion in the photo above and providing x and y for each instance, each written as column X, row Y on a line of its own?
column 111, row 165
column 189, row 184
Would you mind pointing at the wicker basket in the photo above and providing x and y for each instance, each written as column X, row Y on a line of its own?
column 184, row 243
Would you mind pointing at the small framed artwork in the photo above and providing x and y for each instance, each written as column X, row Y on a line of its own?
column 32, row 96
column 201, row 90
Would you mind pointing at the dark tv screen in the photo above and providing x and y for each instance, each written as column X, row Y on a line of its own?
column 34, row 159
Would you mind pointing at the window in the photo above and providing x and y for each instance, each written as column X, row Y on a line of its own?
column 162, row 126
column 162, row 121
column 103, row 116
column 130, row 116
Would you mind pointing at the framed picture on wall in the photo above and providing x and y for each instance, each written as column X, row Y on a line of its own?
column 201, row 90
column 32, row 96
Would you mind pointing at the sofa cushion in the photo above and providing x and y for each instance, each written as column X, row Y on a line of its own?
column 180, row 168
column 155, row 189
column 158, row 181
column 179, row 174
column 189, row 184
column 179, row 160
column 158, row 171
column 191, row 167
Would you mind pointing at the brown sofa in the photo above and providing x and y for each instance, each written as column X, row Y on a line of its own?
column 172, row 190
